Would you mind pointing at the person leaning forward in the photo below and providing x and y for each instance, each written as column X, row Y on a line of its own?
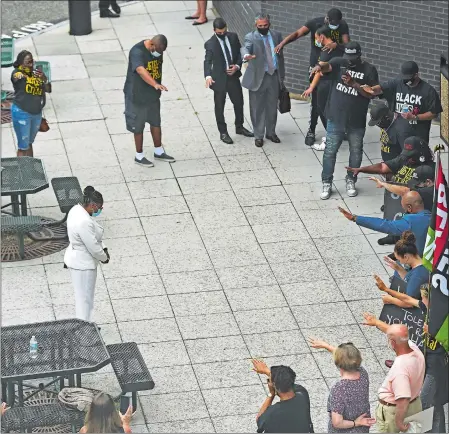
column 222, row 65
column 263, row 78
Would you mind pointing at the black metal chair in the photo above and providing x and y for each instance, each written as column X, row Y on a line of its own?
column 20, row 226
column 68, row 194
column 130, row 369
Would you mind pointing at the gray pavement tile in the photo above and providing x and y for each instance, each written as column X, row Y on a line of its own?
column 153, row 189
column 242, row 423
column 320, row 418
column 149, row 330
column 79, row 149
column 131, row 246
column 261, row 297
column 194, row 259
column 241, row 163
column 126, row 266
column 323, row 314
column 318, row 391
column 283, row 231
column 102, row 313
column 26, row 297
column 360, row 288
column 172, row 379
column 215, row 238
column 135, row 286
column 213, row 200
column 110, row 334
column 225, row 374
column 217, row 349
column 116, row 69
column 76, row 114
column 355, row 266
column 26, row 316
column 271, row 214
column 358, row 307
column 83, row 129
column 276, row 343
column 162, row 354
column 246, row 277
column 56, row 49
column 110, row 96
column 56, row 273
column 293, row 175
column 252, row 197
column 234, row 400
column 219, row 217
column 47, row 147
column 106, row 382
column 241, row 254
column 336, row 335
column 187, row 426
column 315, row 292
column 86, row 47
column 285, row 251
column 265, row 320
column 199, row 303
column 109, row 83
column 133, row 172
column 253, row 179
column 63, row 293
column 193, row 281
column 106, row 58
column 207, row 326
column 105, row 175
column 167, row 224
column 114, row 192
column 174, row 406
column 161, row 206
column 305, row 271
column 330, row 248
column 142, row 308
column 122, row 228
column 240, row 147
column 112, row 111
column 303, row 364
column 296, row 158
column 383, row 353
column 204, row 184
column 204, row 166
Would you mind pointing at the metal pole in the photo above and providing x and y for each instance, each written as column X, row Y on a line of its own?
column 80, row 17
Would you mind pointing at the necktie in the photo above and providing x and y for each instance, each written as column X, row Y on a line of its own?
column 269, row 56
column 228, row 54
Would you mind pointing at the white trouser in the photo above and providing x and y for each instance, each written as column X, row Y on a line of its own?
column 84, row 285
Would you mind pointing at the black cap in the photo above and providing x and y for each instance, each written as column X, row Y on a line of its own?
column 377, row 112
column 413, row 146
column 352, row 51
column 409, row 69
column 421, row 174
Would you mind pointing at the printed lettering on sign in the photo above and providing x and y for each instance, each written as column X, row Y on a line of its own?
column 153, row 69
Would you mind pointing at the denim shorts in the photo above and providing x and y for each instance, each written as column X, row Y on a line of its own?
column 26, row 126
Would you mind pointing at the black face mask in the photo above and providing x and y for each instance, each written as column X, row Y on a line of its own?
column 354, row 63
column 263, row 31
column 385, row 122
column 221, row 36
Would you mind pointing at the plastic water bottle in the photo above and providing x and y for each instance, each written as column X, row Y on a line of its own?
column 405, row 109
column 33, row 347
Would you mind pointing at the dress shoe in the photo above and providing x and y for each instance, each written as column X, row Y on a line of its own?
column 274, row 138
column 259, row 143
column 244, row 132
column 108, row 14
column 225, row 138
column 116, row 8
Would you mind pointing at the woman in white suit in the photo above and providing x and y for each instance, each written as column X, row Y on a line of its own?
column 85, row 250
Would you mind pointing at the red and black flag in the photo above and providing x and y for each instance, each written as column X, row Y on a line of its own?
column 436, row 260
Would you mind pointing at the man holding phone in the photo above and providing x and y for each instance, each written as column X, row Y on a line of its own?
column 346, row 110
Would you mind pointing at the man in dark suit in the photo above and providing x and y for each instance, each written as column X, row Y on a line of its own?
column 263, row 78
column 222, row 65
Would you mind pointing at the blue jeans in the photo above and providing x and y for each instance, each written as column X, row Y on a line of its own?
column 26, row 126
column 334, row 137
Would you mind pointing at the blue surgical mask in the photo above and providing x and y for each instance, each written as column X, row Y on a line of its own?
column 318, row 44
column 156, row 54
column 334, row 27
column 97, row 212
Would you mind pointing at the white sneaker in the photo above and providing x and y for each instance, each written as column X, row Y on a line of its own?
column 350, row 188
column 320, row 146
column 326, row 191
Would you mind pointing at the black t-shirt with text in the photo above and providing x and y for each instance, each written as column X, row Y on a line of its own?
column 28, row 91
column 420, row 99
column 337, row 36
column 403, row 169
column 389, row 145
column 345, row 105
column 290, row 416
column 135, row 88
column 325, row 56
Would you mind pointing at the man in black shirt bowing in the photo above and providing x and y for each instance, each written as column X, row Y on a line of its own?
column 222, row 64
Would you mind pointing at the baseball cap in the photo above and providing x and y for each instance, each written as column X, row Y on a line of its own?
column 352, row 51
column 377, row 112
column 409, row 69
column 413, row 146
column 421, row 174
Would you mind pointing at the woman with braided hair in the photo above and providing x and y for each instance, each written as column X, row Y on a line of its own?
column 85, row 250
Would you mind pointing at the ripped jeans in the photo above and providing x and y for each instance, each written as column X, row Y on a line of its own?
column 26, row 126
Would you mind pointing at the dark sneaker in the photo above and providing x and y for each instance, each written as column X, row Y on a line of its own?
column 116, row 8
column 310, row 138
column 143, row 162
column 164, row 157
column 244, row 132
column 108, row 14
column 226, row 139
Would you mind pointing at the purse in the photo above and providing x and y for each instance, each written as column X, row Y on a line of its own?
column 44, row 127
column 284, row 103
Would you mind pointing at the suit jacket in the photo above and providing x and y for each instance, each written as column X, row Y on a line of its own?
column 256, row 67
column 85, row 236
column 215, row 63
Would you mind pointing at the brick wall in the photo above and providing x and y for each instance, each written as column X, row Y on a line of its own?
column 389, row 32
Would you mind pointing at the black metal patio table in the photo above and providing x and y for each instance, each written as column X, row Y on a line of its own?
column 22, row 176
column 66, row 348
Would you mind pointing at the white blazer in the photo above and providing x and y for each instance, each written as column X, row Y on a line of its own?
column 85, row 236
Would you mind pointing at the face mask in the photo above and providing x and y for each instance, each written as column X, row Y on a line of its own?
column 318, row 44
column 156, row 54
column 97, row 212
column 409, row 82
column 221, row 36
column 333, row 26
column 263, row 31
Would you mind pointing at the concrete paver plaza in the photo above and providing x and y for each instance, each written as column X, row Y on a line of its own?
column 225, row 255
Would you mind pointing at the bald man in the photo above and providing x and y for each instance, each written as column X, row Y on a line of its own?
column 415, row 219
column 398, row 395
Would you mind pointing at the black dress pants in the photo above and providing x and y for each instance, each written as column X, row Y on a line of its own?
column 234, row 90
column 104, row 4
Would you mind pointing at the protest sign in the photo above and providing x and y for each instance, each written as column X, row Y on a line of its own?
column 398, row 284
column 392, row 206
